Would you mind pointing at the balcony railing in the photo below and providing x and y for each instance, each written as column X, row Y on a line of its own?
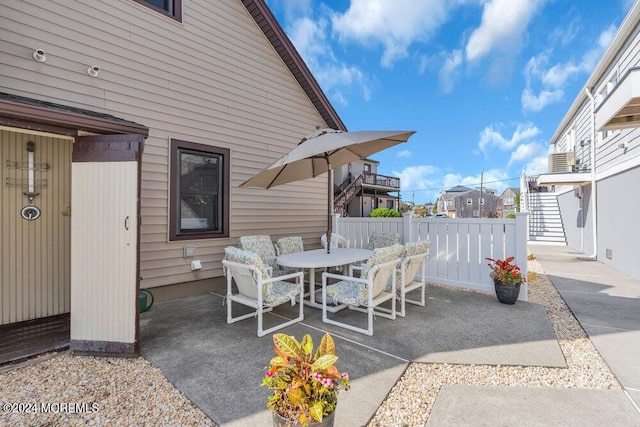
column 391, row 183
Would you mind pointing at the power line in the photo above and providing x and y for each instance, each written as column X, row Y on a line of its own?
column 475, row 184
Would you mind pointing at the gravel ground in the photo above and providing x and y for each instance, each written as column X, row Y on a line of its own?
column 410, row 401
column 114, row 392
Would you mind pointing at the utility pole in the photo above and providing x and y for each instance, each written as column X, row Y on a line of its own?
column 480, row 199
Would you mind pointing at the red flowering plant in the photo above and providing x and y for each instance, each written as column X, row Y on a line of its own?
column 505, row 272
column 305, row 383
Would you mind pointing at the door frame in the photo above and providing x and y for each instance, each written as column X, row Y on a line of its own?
column 36, row 115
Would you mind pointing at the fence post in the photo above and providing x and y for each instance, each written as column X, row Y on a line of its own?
column 521, row 250
column 406, row 225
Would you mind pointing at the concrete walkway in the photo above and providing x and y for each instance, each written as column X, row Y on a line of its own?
column 218, row 365
column 607, row 305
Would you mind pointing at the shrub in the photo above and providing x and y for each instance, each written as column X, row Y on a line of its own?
column 384, row 213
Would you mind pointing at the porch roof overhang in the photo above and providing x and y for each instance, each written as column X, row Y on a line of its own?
column 575, row 178
column 621, row 108
column 19, row 111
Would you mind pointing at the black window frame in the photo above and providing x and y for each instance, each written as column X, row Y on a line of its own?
column 176, row 6
column 177, row 147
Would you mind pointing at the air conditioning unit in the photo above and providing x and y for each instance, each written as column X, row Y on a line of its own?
column 562, row 162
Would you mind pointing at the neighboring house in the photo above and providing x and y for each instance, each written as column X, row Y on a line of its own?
column 129, row 127
column 359, row 189
column 595, row 166
column 507, row 202
column 463, row 202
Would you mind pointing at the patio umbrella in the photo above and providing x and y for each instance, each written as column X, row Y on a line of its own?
column 320, row 152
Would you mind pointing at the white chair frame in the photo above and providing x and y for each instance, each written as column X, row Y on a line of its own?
column 409, row 281
column 377, row 278
column 251, row 295
column 337, row 241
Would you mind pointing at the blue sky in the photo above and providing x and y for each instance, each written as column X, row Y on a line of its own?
column 484, row 83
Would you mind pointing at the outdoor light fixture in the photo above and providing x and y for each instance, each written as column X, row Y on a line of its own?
column 93, row 71
column 39, row 55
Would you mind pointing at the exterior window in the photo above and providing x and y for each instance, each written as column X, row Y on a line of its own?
column 199, row 191
column 171, row 8
column 367, row 167
column 469, row 201
column 482, row 201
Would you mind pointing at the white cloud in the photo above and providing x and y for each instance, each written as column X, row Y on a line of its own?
column 503, row 24
column 491, row 137
column 394, row 25
column 551, row 80
column 448, row 72
column 404, row 154
column 533, row 102
column 525, row 151
column 536, row 166
column 310, row 39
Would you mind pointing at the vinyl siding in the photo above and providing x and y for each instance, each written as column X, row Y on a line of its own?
column 617, row 171
column 212, row 79
column 34, row 255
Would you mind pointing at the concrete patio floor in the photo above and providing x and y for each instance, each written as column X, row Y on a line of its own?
column 219, row 367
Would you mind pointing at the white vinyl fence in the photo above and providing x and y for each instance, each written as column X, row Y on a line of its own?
column 458, row 246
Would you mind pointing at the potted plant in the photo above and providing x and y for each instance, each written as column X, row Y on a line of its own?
column 305, row 382
column 506, row 279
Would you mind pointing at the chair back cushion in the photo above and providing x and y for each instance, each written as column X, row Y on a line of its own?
column 290, row 245
column 261, row 245
column 383, row 240
column 414, row 255
column 245, row 279
column 382, row 273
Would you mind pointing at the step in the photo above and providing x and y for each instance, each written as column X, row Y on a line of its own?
column 546, row 233
column 547, row 239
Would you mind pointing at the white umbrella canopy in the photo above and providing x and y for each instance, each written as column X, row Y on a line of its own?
column 322, row 151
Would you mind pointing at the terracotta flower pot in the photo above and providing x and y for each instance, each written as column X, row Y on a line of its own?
column 507, row 294
column 280, row 421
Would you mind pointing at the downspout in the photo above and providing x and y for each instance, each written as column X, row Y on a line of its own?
column 594, row 191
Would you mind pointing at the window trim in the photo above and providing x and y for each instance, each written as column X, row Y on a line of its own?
column 177, row 9
column 175, row 146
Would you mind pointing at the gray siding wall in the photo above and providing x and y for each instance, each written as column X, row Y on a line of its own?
column 576, row 219
column 617, row 171
column 212, row 79
column 618, row 228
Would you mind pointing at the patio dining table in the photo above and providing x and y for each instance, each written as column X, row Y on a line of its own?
column 319, row 258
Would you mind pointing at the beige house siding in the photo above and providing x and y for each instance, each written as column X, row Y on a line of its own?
column 34, row 255
column 212, row 79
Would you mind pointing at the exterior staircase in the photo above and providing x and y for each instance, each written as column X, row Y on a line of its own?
column 545, row 221
column 347, row 191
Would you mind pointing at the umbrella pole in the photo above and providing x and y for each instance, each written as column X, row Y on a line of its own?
column 329, row 221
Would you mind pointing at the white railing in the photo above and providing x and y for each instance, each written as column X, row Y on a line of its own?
column 458, row 246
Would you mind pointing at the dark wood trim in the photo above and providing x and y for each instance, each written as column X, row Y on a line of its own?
column 103, row 348
column 108, row 148
column 46, row 114
column 174, row 191
column 38, row 127
column 269, row 25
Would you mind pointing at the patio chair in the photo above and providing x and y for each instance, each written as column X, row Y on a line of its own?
column 382, row 240
column 337, row 241
column 258, row 289
column 366, row 292
column 289, row 245
column 414, row 257
column 263, row 246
